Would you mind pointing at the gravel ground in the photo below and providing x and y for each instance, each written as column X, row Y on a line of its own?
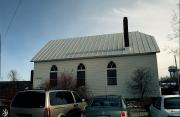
column 137, row 109
column 139, row 113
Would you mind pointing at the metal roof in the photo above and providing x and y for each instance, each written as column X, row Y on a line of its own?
column 97, row 46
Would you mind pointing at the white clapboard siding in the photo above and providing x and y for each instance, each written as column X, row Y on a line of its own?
column 96, row 72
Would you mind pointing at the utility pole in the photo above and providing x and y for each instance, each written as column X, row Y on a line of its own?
column 176, row 72
column 175, row 61
column 179, row 52
column 0, row 56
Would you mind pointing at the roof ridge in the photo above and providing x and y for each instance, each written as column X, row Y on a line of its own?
column 88, row 36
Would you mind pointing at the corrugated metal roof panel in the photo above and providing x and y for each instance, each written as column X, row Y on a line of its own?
column 140, row 44
column 96, row 46
column 151, row 43
column 134, row 45
column 145, row 43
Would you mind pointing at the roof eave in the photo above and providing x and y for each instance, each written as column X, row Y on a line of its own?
column 91, row 57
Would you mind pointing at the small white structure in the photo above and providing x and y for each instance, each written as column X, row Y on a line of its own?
column 104, row 63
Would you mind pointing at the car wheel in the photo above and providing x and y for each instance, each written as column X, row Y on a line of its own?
column 82, row 114
column 4, row 112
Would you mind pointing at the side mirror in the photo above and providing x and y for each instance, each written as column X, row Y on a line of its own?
column 83, row 100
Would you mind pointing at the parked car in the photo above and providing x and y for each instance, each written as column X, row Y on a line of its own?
column 52, row 103
column 4, row 108
column 166, row 106
column 106, row 106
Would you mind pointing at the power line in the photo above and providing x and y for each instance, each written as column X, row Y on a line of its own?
column 13, row 16
column 179, row 50
column 8, row 27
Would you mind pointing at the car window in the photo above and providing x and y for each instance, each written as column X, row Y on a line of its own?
column 172, row 103
column 60, row 98
column 29, row 99
column 104, row 102
column 77, row 97
column 157, row 103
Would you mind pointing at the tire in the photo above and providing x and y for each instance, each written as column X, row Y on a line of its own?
column 4, row 111
column 74, row 113
column 82, row 114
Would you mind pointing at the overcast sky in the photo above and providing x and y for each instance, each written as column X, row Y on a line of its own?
column 38, row 21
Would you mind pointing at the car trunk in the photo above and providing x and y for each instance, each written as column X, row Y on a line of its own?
column 27, row 112
column 105, row 112
column 28, row 104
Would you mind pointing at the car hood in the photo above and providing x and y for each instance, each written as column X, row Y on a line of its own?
column 174, row 112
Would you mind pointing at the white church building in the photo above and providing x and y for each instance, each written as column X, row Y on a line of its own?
column 104, row 63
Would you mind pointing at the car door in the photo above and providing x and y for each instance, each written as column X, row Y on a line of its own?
column 70, row 106
column 78, row 101
column 61, row 103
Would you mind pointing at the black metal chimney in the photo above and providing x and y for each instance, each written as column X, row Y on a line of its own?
column 126, row 35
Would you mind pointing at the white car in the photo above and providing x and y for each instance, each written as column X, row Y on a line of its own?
column 166, row 106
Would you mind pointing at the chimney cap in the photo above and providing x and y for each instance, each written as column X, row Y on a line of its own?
column 125, row 17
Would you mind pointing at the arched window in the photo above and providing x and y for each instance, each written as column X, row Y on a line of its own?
column 111, row 74
column 53, row 76
column 80, row 75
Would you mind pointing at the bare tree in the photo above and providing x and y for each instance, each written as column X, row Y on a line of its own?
column 141, row 81
column 13, row 87
column 84, row 92
column 68, row 82
column 175, row 28
column 174, row 35
column 12, row 75
column 45, row 85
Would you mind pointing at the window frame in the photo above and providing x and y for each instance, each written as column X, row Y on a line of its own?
column 77, row 98
column 53, row 75
column 111, row 67
column 81, row 69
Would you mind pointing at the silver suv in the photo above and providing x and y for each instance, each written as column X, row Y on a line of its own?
column 41, row 103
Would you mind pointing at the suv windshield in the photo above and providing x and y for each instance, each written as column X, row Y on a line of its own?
column 30, row 99
column 172, row 103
